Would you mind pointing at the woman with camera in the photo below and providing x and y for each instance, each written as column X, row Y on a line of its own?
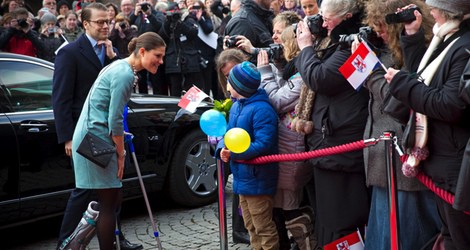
column 122, row 34
column 418, row 217
column 432, row 93
column 339, row 116
column 206, row 45
column 284, row 89
column 51, row 37
column 182, row 64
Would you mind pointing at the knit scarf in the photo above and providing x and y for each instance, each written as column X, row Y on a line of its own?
column 419, row 152
column 302, row 123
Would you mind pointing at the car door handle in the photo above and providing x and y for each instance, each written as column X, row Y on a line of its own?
column 35, row 127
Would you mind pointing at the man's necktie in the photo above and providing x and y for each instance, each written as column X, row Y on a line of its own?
column 100, row 52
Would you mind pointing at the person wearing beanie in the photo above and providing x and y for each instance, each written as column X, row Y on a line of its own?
column 51, row 37
column 63, row 6
column 437, row 108
column 245, row 79
column 253, row 113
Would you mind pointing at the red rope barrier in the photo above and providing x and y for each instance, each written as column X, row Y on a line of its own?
column 308, row 155
column 446, row 196
column 443, row 194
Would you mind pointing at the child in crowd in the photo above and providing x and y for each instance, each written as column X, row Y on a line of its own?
column 292, row 5
column 255, row 184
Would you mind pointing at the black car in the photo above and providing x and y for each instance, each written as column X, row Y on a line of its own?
column 36, row 176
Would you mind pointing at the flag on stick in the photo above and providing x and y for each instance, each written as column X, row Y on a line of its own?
column 359, row 65
column 351, row 241
column 192, row 98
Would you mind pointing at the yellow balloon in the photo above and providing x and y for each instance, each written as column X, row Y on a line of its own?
column 237, row 140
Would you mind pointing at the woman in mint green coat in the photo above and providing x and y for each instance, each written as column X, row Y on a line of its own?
column 102, row 114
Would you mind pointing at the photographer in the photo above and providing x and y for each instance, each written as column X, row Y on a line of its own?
column 20, row 32
column 339, row 116
column 122, row 34
column 182, row 60
column 254, row 21
column 51, row 37
column 431, row 91
column 146, row 18
column 415, row 203
column 204, row 43
column 284, row 88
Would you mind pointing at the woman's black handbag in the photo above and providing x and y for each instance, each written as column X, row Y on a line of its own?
column 96, row 150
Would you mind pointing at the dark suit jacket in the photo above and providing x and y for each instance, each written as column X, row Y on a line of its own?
column 76, row 69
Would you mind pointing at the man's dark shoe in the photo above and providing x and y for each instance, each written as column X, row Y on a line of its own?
column 241, row 237
column 126, row 245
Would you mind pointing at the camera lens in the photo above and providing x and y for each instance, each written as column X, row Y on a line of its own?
column 23, row 23
column 122, row 25
column 145, row 6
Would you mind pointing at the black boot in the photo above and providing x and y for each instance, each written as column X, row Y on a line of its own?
column 279, row 220
column 239, row 232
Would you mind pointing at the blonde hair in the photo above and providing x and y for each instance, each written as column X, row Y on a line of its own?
column 291, row 48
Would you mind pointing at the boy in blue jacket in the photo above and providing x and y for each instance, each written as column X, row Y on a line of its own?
column 255, row 184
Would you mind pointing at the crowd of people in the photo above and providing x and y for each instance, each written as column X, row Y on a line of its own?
column 278, row 60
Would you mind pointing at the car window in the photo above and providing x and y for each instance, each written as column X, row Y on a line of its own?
column 27, row 86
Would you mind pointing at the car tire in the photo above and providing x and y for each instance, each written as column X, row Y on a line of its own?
column 192, row 176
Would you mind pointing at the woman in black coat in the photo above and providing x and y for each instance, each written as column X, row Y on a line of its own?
column 433, row 93
column 339, row 116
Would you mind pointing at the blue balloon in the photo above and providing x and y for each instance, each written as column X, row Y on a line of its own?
column 213, row 123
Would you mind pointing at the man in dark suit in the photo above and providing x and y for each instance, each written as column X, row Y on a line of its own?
column 77, row 66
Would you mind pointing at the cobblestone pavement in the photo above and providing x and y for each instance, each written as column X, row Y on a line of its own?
column 179, row 228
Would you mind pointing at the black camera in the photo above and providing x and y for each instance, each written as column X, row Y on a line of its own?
column 173, row 17
column 145, row 6
column 122, row 25
column 23, row 23
column 345, row 41
column 405, row 16
column 223, row 9
column 231, row 42
column 315, row 25
column 274, row 51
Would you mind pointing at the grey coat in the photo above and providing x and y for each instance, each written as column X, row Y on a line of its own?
column 377, row 123
column 283, row 96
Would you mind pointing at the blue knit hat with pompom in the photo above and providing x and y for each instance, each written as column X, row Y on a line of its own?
column 245, row 78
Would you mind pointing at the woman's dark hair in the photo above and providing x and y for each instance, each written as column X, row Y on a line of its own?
column 203, row 8
column 116, row 10
column 86, row 12
column 148, row 41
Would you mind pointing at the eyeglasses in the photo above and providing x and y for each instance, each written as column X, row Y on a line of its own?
column 327, row 20
column 100, row 22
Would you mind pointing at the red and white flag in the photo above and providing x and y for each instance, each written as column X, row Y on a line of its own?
column 351, row 241
column 359, row 65
column 192, row 98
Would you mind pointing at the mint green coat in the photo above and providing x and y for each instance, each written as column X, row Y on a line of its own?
column 102, row 114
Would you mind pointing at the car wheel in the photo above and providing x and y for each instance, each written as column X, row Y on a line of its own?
column 192, row 179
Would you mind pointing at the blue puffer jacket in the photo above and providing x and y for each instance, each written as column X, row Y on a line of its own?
column 259, row 119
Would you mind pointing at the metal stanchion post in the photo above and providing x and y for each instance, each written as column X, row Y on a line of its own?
column 222, row 207
column 392, row 189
